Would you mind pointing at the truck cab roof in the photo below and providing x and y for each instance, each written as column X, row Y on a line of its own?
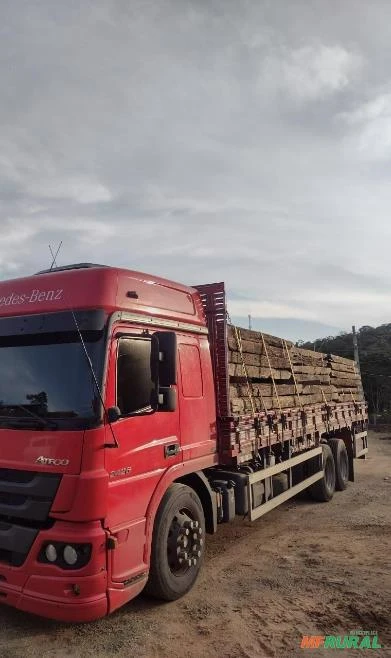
column 90, row 285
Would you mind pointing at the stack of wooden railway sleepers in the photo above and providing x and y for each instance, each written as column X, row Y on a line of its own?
column 271, row 374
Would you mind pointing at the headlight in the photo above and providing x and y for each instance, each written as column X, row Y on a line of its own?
column 66, row 556
column 51, row 553
column 70, row 555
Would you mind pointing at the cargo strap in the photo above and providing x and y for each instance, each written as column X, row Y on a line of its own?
column 240, row 348
column 292, row 370
column 314, row 364
column 271, row 373
column 355, row 373
column 324, row 396
column 326, row 420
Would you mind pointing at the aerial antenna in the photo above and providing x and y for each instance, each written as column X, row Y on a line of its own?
column 54, row 255
column 98, row 388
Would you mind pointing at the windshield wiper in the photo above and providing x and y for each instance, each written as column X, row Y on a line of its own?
column 32, row 420
column 27, row 423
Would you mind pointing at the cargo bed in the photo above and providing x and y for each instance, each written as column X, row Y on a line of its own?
column 282, row 394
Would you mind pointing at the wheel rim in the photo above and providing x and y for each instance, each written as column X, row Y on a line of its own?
column 343, row 469
column 184, row 542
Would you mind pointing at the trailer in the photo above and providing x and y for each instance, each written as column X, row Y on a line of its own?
column 134, row 419
column 282, row 450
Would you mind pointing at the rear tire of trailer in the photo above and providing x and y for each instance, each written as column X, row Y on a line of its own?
column 341, row 462
column 323, row 489
column 178, row 539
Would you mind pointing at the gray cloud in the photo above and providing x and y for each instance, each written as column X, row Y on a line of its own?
column 240, row 141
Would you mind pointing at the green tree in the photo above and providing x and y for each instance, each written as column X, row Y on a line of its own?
column 374, row 345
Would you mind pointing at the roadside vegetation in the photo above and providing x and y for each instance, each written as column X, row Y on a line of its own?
column 374, row 345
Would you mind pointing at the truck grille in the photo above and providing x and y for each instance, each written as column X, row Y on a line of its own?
column 25, row 502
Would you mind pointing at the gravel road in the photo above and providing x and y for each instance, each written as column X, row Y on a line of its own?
column 305, row 568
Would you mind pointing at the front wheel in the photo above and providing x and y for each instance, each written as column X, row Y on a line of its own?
column 177, row 544
column 323, row 489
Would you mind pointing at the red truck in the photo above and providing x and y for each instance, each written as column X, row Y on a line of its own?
column 118, row 450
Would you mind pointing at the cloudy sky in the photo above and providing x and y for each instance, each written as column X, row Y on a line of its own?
column 205, row 140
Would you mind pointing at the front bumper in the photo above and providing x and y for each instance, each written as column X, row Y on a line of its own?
column 73, row 595
column 55, row 598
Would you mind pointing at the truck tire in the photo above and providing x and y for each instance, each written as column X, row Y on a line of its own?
column 177, row 544
column 323, row 489
column 341, row 462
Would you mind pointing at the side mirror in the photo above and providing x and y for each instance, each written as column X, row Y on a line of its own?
column 168, row 399
column 113, row 414
column 155, row 358
column 167, row 357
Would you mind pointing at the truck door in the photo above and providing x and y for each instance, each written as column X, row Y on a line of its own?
column 196, row 399
column 149, row 443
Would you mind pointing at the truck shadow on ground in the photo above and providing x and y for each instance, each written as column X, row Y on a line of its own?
column 21, row 624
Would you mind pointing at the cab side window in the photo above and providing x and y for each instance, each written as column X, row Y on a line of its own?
column 190, row 371
column 134, row 376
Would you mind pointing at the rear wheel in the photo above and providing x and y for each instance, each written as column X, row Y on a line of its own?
column 177, row 544
column 341, row 462
column 323, row 489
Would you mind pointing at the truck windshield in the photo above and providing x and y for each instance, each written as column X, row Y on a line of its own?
column 45, row 377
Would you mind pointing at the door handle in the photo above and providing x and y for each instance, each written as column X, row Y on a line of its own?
column 171, row 450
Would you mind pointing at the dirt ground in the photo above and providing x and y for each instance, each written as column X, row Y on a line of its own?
column 305, row 568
